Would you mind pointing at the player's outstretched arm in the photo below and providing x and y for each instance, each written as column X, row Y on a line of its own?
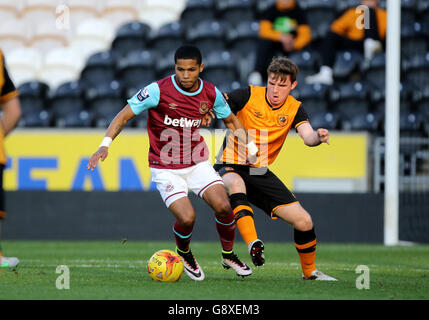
column 115, row 127
column 311, row 137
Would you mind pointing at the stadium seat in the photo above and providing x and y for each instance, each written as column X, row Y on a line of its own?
column 230, row 86
column 67, row 98
column 244, row 40
column 346, row 63
column 197, row 11
column 167, row 38
column 235, row 11
column 377, row 99
column 208, row 36
column 118, row 12
column 130, row 36
column 33, row 96
column 326, row 120
column 413, row 40
column 364, row 122
column 157, row 13
column 422, row 8
column 306, row 61
column 23, row 65
column 105, row 99
column 48, row 37
column 420, row 99
column 320, row 13
column 220, row 67
column 74, row 119
column 60, row 65
column 100, row 67
column 137, row 69
column 411, row 124
column 408, row 12
column 374, row 71
column 165, row 65
column 9, row 9
column 314, row 97
column 91, row 36
column 36, row 118
column 350, row 99
column 13, row 35
column 81, row 10
column 344, row 5
column 35, row 11
column 416, row 70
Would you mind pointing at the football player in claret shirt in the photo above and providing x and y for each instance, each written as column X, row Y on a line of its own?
column 178, row 155
column 268, row 113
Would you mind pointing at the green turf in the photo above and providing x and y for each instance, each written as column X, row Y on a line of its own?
column 115, row 270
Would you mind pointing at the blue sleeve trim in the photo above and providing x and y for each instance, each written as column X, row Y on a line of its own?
column 145, row 99
column 221, row 107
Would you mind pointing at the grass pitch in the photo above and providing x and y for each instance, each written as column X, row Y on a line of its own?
column 117, row 270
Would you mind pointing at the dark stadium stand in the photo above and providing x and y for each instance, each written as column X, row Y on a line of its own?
column 136, row 69
column 130, row 36
column 100, row 67
column 227, row 33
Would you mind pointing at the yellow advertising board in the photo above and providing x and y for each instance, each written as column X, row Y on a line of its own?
column 56, row 160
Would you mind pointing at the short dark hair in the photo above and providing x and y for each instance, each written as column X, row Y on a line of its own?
column 283, row 67
column 188, row 51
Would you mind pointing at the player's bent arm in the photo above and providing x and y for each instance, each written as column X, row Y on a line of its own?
column 116, row 126
column 235, row 125
column 311, row 137
column 11, row 115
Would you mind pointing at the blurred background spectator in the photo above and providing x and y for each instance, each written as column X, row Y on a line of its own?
column 283, row 28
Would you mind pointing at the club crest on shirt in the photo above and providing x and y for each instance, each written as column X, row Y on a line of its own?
column 282, row 120
column 204, row 107
column 142, row 94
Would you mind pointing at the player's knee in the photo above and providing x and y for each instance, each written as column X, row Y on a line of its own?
column 305, row 223
column 222, row 208
column 186, row 222
column 234, row 183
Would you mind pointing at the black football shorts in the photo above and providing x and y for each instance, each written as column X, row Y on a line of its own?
column 265, row 191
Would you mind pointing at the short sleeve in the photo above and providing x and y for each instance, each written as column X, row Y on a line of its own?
column 221, row 107
column 145, row 99
column 300, row 117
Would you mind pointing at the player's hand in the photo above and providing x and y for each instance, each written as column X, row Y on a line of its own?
column 323, row 135
column 99, row 154
column 252, row 159
column 207, row 119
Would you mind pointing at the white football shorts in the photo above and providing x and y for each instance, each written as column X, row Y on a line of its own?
column 174, row 184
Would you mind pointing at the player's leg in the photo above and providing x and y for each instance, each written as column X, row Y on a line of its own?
column 243, row 214
column 207, row 184
column 184, row 213
column 304, row 237
column 5, row 262
column 174, row 190
column 217, row 198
